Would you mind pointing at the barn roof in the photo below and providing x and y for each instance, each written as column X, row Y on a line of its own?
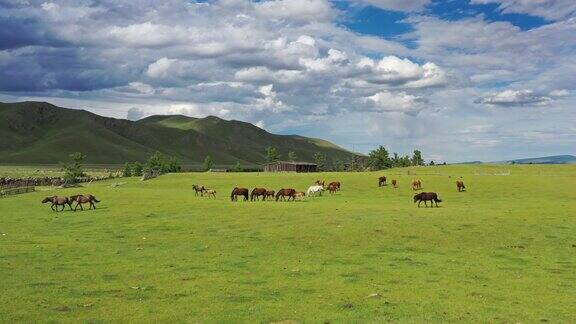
column 290, row 162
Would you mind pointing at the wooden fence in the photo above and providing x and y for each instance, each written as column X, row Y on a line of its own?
column 15, row 189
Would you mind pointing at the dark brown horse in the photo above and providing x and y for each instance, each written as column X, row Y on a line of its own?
column 58, row 201
column 336, row 184
column 416, row 185
column 381, row 181
column 239, row 192
column 427, row 196
column 460, row 185
column 84, row 199
column 199, row 189
column 332, row 189
column 269, row 193
column 290, row 193
column 395, row 183
column 257, row 192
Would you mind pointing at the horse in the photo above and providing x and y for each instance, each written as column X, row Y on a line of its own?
column 336, row 184
column 315, row 190
column 332, row 189
column 416, row 185
column 291, row 193
column 394, row 183
column 239, row 192
column 210, row 192
column 300, row 195
column 320, row 183
column 198, row 189
column 58, row 201
column 381, row 181
column 269, row 193
column 83, row 199
column 460, row 185
column 257, row 192
column 427, row 196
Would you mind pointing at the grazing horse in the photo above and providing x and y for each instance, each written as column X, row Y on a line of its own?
column 427, row 196
column 416, row 185
column 460, row 185
column 320, row 183
column 336, row 184
column 210, row 192
column 83, row 199
column 315, row 191
column 198, row 189
column 257, row 192
column 290, row 193
column 239, row 192
column 58, row 201
column 269, row 193
column 381, row 181
column 332, row 189
column 394, row 183
column 300, row 195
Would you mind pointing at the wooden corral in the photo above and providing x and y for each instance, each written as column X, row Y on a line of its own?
column 286, row 166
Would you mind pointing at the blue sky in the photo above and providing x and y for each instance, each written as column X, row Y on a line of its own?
column 459, row 79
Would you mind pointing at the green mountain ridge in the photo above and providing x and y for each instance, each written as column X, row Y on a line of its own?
column 41, row 133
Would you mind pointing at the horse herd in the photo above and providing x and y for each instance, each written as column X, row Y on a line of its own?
column 57, row 201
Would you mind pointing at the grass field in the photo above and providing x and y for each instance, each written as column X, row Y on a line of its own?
column 504, row 251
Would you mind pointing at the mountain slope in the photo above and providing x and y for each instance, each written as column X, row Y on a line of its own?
column 555, row 159
column 36, row 132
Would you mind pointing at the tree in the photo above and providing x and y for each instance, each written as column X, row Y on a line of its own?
column 272, row 154
column 127, row 172
column 173, row 165
column 417, row 158
column 74, row 170
column 379, row 159
column 156, row 163
column 339, row 165
column 292, row 156
column 137, row 169
column 432, row 163
column 320, row 160
column 237, row 167
column 208, row 163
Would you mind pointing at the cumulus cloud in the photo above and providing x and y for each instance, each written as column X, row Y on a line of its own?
column 134, row 113
column 397, row 5
column 549, row 9
column 516, row 98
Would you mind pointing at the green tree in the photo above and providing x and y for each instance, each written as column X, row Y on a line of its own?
column 339, row 165
column 292, row 156
column 127, row 172
column 272, row 154
column 320, row 160
column 379, row 159
column 208, row 163
column 74, row 169
column 137, row 169
column 155, row 163
column 237, row 167
column 173, row 165
column 417, row 158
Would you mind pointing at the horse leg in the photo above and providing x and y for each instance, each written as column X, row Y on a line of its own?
column 52, row 206
column 419, row 202
column 426, row 203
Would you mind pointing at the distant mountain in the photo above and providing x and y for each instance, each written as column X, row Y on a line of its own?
column 555, row 159
column 39, row 132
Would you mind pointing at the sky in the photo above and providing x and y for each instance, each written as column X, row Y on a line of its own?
column 461, row 80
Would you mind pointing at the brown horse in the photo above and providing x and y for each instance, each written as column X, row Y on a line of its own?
column 83, row 199
column 239, row 192
column 460, row 185
column 332, row 189
column 427, row 196
column 320, row 183
column 198, row 189
column 290, row 193
column 336, row 184
column 395, row 183
column 416, row 185
column 257, row 192
column 269, row 193
column 381, row 181
column 58, row 201
column 300, row 195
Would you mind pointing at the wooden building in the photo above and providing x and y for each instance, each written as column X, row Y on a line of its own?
column 286, row 166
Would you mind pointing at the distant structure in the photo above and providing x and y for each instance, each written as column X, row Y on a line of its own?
column 286, row 166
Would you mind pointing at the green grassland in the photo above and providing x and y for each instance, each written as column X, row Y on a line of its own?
column 504, row 251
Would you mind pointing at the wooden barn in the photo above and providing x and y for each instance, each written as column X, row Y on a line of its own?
column 286, row 166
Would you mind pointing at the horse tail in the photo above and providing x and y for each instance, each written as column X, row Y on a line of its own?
column 436, row 199
column 95, row 200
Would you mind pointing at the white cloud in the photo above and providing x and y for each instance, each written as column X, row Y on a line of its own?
column 549, row 9
column 397, row 5
column 515, row 98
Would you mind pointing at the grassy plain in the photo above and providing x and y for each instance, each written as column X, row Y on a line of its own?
column 504, row 251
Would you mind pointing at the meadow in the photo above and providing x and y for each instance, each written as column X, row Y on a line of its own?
column 503, row 251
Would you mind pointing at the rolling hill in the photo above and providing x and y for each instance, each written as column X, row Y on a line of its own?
column 555, row 159
column 41, row 133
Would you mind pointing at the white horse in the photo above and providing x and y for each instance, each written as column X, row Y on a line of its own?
column 314, row 191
